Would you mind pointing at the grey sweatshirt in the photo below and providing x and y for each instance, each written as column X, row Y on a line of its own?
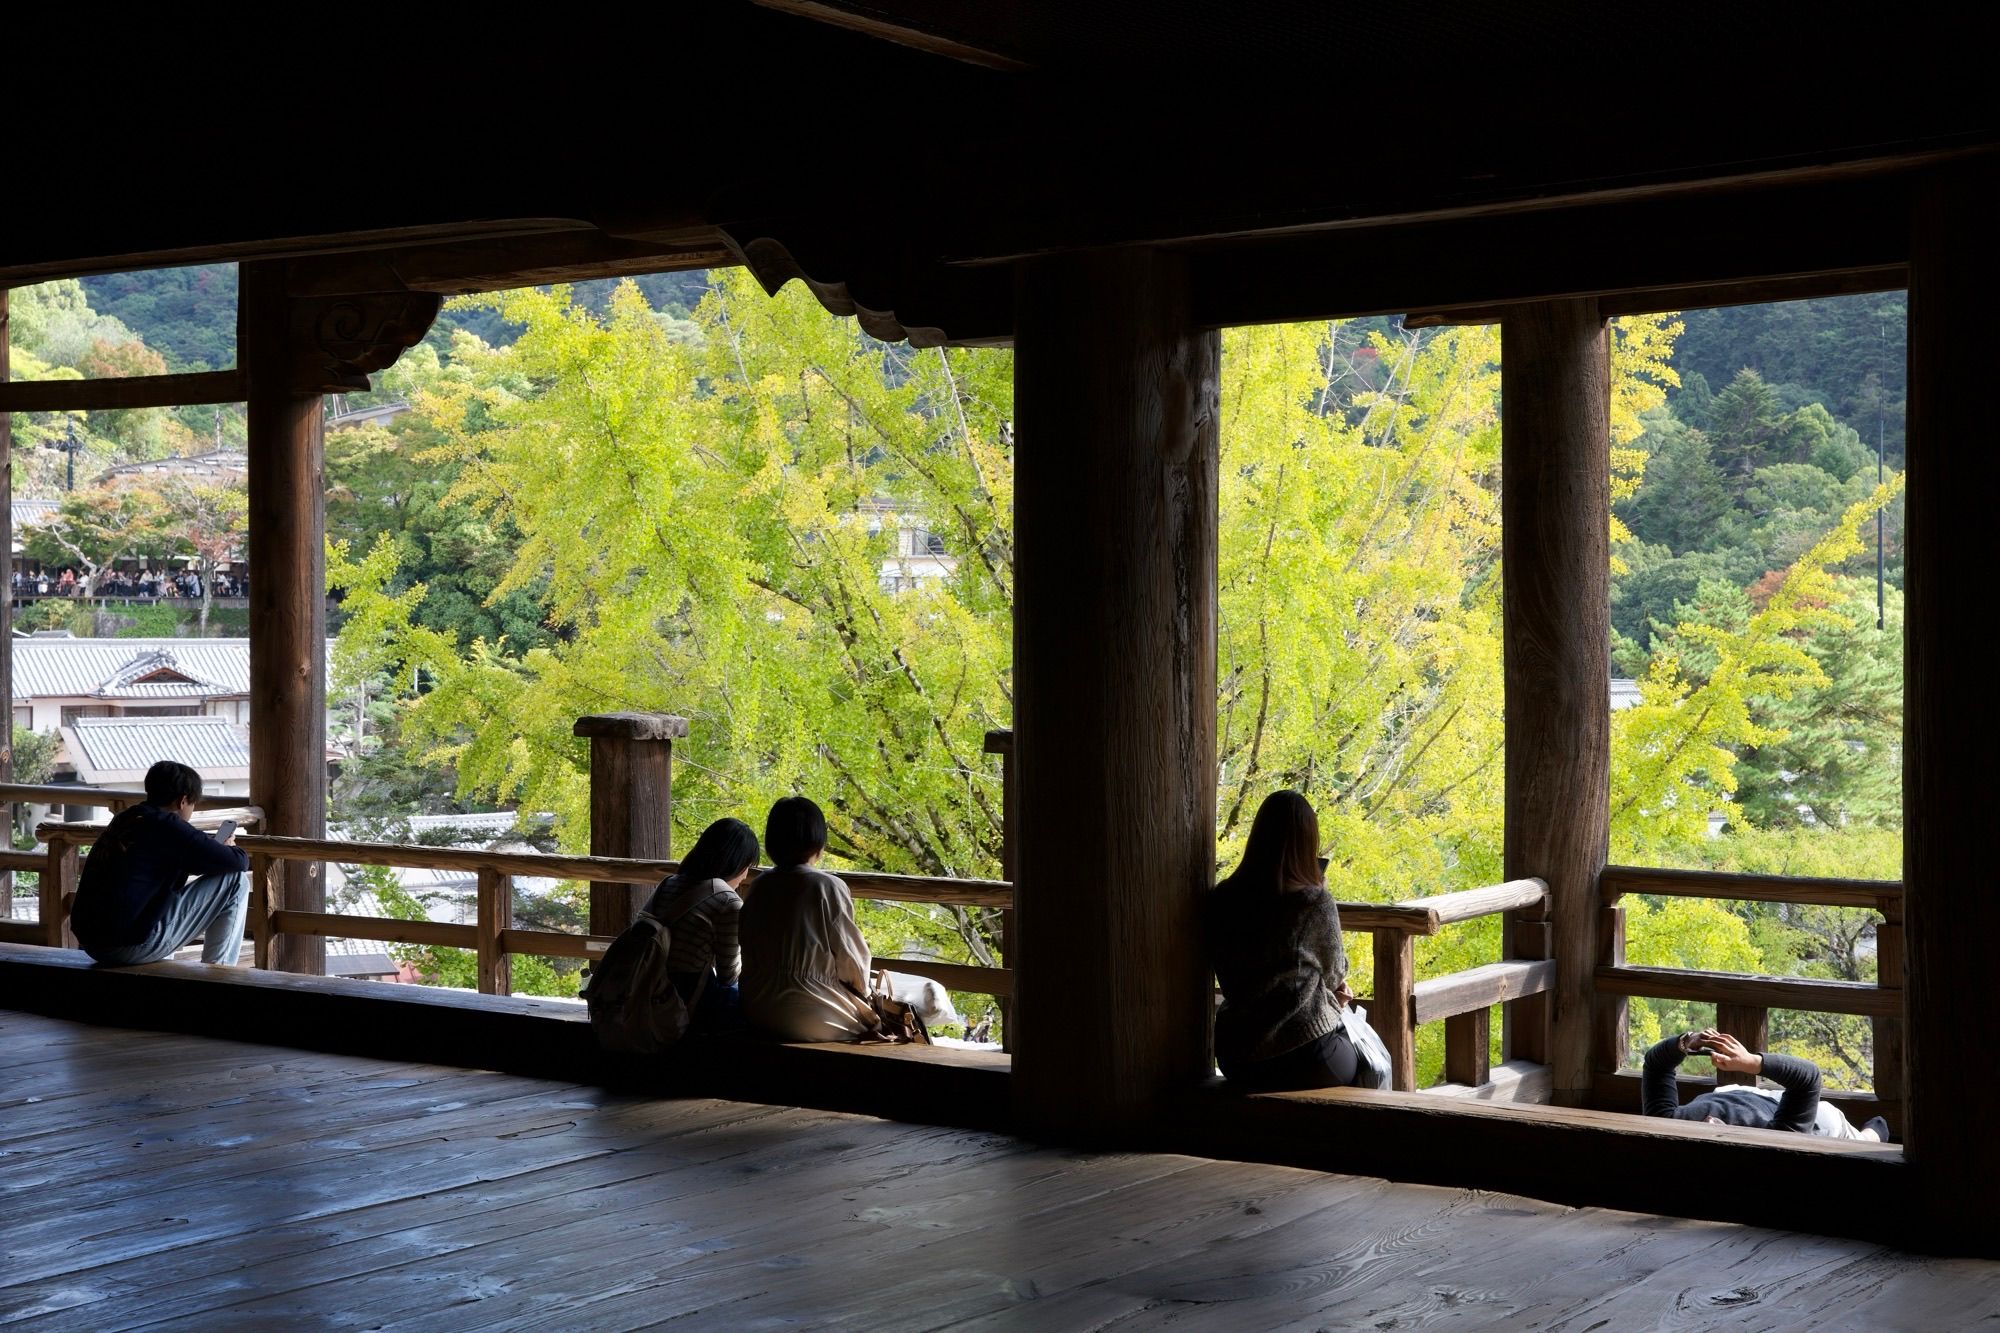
column 1279, row 958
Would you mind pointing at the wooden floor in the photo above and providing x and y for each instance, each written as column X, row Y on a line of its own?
column 151, row 1180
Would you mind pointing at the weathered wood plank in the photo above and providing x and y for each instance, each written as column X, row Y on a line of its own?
column 631, row 804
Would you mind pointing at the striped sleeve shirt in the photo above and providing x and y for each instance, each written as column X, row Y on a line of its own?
column 705, row 935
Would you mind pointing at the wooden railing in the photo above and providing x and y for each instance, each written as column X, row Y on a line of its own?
column 492, row 936
column 55, row 863
column 1743, row 1003
column 1463, row 1001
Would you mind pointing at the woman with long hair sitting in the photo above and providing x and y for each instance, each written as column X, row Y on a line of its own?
column 701, row 904
column 1273, row 936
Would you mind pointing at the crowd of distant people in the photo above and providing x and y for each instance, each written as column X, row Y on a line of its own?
column 154, row 585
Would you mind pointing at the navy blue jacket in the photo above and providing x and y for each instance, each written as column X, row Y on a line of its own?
column 141, row 862
column 1796, row 1110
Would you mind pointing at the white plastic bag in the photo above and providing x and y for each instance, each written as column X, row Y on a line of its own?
column 1371, row 1066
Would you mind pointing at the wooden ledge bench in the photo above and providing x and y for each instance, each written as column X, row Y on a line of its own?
column 536, row 1037
column 1562, row 1154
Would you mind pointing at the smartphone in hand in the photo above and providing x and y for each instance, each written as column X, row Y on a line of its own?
column 225, row 830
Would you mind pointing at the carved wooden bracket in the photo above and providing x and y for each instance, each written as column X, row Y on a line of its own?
column 335, row 341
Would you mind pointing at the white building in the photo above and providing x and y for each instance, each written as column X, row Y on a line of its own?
column 117, row 751
column 917, row 555
column 59, row 679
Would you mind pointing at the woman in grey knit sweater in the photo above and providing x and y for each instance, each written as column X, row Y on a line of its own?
column 1273, row 936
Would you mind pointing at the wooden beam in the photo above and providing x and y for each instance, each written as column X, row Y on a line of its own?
column 500, row 263
column 1479, row 988
column 1824, row 997
column 1470, row 904
column 322, row 926
column 287, row 547
column 957, row 32
column 1951, row 914
column 1698, row 296
column 1610, row 1025
column 1889, row 973
column 1115, row 472
column 207, row 386
column 631, row 803
column 1626, row 255
column 1556, row 560
column 1619, row 880
column 995, row 981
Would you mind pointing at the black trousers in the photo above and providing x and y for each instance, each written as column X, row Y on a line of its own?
column 1329, row 1062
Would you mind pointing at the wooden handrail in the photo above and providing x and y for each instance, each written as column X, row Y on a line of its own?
column 607, row 869
column 60, row 793
column 1427, row 916
column 390, row 930
column 1479, row 988
column 1826, row 997
column 1616, row 881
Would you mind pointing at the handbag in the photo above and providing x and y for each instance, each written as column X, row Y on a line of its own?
column 1371, row 1063
column 896, row 1021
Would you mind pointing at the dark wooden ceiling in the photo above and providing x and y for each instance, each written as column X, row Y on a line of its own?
column 898, row 153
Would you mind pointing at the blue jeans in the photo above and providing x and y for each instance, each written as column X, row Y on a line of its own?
column 212, row 907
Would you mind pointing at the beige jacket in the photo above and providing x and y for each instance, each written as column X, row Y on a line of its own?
column 805, row 965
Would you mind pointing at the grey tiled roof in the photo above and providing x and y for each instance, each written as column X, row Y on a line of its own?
column 209, row 745
column 107, row 668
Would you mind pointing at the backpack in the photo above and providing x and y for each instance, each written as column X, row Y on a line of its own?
column 634, row 1008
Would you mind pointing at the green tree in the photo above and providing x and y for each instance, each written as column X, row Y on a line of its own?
column 97, row 528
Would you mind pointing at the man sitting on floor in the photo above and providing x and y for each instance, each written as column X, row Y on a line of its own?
column 1797, row 1108
column 135, row 904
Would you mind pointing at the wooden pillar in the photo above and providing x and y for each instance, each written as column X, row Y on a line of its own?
column 1951, row 730
column 1555, row 535
column 1611, row 1030
column 631, row 803
column 1468, row 1045
column 1114, row 668
column 287, row 549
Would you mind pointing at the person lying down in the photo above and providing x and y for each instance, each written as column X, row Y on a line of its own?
column 1796, row 1106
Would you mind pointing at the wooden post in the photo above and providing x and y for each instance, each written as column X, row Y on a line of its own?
column 1951, row 914
column 262, row 886
column 1468, row 1048
column 496, row 916
column 1611, row 1034
column 1749, row 1024
column 1524, row 1023
column 631, row 803
column 58, row 886
column 1002, row 744
column 1395, row 974
column 287, row 545
column 1889, row 947
column 1114, row 667
column 1555, row 536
